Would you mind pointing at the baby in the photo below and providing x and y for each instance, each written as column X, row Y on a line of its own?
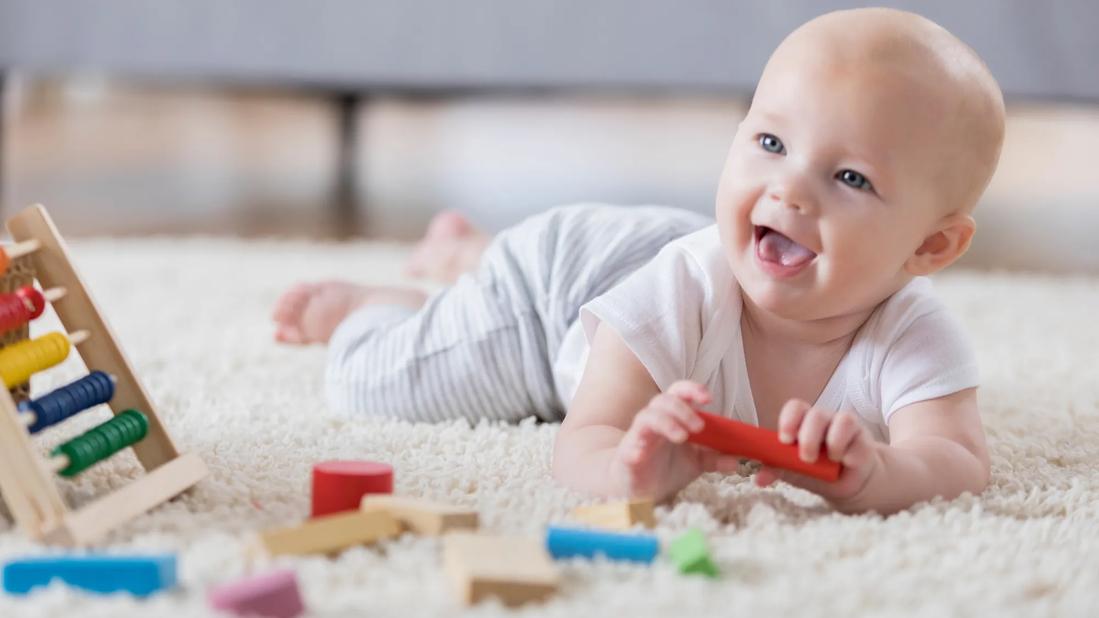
column 805, row 308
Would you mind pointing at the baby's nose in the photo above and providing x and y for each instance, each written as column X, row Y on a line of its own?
column 800, row 202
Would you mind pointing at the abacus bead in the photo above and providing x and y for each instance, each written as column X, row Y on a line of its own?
column 102, row 441
column 12, row 312
column 340, row 485
column 58, row 405
column 19, row 361
column 37, row 301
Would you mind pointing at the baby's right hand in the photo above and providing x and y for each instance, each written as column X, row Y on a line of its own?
column 654, row 460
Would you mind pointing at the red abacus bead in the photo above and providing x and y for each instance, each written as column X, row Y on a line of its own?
column 340, row 485
column 13, row 312
column 33, row 298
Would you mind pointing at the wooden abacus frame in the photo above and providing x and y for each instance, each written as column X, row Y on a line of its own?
column 26, row 480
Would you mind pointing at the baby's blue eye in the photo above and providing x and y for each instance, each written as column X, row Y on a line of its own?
column 855, row 180
column 770, row 143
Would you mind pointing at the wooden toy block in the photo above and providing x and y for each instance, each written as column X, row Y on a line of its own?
column 104, row 574
column 516, row 570
column 330, row 534
column 275, row 594
column 617, row 515
column 736, row 438
column 422, row 516
column 690, row 554
column 340, row 485
column 27, row 482
column 564, row 542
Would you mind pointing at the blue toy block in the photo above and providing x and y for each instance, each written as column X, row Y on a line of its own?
column 565, row 542
column 104, row 574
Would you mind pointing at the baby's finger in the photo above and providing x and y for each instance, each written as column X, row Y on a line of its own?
column 683, row 413
column 811, row 433
column 713, row 461
column 860, row 452
column 767, row 476
column 661, row 421
column 692, row 392
column 789, row 420
column 843, row 430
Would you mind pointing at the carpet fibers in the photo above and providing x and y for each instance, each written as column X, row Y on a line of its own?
column 193, row 316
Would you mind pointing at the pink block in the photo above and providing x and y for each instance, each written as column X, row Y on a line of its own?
column 272, row 594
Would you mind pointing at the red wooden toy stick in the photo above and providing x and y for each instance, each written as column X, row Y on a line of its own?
column 736, row 438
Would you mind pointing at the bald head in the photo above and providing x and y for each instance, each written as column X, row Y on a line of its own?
column 934, row 69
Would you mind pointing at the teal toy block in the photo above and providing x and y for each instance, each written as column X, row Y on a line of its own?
column 691, row 555
column 103, row 574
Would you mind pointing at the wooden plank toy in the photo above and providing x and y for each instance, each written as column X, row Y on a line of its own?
column 515, row 570
column 340, row 485
column 275, row 594
column 26, row 478
column 691, row 555
column 103, row 574
column 330, row 534
column 736, row 438
column 616, row 515
column 422, row 516
column 565, row 542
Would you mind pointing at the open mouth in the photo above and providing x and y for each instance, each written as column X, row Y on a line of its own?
column 779, row 253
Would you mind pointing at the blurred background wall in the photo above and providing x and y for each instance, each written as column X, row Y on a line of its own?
column 185, row 135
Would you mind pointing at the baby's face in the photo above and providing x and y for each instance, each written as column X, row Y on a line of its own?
column 830, row 185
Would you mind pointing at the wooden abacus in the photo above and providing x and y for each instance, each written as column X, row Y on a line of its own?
column 26, row 483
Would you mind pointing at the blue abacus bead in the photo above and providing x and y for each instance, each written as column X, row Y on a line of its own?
column 41, row 418
column 93, row 389
column 566, row 542
column 104, row 574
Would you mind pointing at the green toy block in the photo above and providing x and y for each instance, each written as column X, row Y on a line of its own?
column 690, row 554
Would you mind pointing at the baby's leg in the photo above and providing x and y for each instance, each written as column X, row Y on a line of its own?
column 451, row 247
column 484, row 347
column 310, row 312
column 468, row 352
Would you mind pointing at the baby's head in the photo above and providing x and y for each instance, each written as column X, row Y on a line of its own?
column 870, row 137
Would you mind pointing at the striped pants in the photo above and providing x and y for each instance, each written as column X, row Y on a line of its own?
column 483, row 348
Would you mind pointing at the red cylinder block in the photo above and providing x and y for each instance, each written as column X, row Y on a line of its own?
column 340, row 485
column 743, row 440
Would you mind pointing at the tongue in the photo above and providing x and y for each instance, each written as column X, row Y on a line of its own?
column 776, row 247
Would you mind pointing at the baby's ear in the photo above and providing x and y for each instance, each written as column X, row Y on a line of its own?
column 947, row 242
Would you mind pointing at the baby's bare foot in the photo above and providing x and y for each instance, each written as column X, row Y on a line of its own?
column 450, row 247
column 310, row 312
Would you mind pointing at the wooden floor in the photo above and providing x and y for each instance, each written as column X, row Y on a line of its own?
column 119, row 158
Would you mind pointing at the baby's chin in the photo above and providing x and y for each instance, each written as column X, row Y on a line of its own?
column 802, row 306
column 775, row 296
column 800, row 298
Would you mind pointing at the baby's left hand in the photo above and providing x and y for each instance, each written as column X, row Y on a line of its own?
column 843, row 439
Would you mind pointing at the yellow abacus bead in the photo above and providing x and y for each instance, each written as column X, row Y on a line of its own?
column 19, row 361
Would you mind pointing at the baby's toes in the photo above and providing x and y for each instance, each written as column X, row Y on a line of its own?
column 289, row 306
column 289, row 312
column 289, row 334
column 416, row 265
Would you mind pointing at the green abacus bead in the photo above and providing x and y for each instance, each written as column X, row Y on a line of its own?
column 99, row 443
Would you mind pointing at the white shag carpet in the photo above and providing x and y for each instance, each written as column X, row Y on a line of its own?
column 193, row 316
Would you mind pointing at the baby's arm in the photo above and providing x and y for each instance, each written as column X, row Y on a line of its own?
column 937, row 448
column 622, row 436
